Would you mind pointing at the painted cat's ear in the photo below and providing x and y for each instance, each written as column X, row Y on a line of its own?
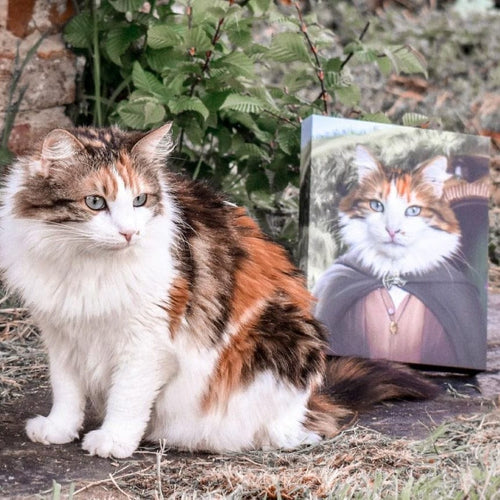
column 434, row 172
column 365, row 162
column 155, row 145
column 58, row 145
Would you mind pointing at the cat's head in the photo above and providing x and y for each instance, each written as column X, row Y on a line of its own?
column 396, row 220
column 101, row 187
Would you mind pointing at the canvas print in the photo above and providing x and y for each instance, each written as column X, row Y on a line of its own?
column 394, row 234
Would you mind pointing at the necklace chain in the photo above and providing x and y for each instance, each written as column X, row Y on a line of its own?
column 391, row 313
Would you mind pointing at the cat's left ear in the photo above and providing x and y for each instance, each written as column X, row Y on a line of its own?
column 434, row 172
column 156, row 145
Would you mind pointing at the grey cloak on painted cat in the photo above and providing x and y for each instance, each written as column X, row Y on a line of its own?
column 446, row 291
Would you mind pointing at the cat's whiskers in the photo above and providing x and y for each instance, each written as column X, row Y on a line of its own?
column 64, row 234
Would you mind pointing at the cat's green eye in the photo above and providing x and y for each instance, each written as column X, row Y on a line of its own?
column 413, row 211
column 376, row 206
column 95, row 202
column 140, row 200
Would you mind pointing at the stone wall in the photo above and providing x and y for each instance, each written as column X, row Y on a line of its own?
column 50, row 73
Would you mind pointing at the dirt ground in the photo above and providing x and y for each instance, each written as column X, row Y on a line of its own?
column 28, row 469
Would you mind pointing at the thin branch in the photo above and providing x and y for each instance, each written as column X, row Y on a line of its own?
column 319, row 69
column 206, row 62
column 208, row 57
column 348, row 58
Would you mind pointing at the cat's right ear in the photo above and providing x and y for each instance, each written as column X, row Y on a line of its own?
column 365, row 162
column 58, row 145
column 156, row 145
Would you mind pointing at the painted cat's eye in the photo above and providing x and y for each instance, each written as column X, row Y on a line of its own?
column 376, row 206
column 140, row 200
column 413, row 211
column 95, row 202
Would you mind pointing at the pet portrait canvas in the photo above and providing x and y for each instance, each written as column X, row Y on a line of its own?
column 394, row 235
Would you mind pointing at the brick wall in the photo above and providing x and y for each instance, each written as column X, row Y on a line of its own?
column 50, row 74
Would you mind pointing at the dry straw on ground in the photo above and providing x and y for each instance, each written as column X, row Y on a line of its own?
column 459, row 459
column 21, row 355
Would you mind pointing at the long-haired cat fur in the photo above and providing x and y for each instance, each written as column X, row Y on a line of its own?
column 167, row 307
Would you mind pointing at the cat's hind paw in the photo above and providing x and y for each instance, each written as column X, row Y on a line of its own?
column 46, row 431
column 102, row 443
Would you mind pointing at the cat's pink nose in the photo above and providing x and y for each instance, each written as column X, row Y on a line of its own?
column 392, row 232
column 127, row 236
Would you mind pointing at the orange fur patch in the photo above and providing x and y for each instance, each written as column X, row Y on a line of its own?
column 101, row 183
column 177, row 304
column 403, row 187
column 229, row 373
column 126, row 171
column 265, row 272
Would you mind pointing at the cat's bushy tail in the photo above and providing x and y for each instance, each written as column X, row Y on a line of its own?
column 355, row 384
column 359, row 383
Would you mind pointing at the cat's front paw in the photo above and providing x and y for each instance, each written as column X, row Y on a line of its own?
column 102, row 443
column 46, row 431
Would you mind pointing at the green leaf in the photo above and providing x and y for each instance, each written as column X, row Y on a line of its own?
column 365, row 55
column 260, row 6
column 376, row 117
column 119, row 39
column 126, row 5
column 162, row 59
column 288, row 47
column 384, row 65
column 250, row 150
column 406, row 59
column 186, row 103
column 237, row 60
column 348, row 96
column 240, row 35
column 141, row 113
column 257, row 181
column 334, row 64
column 147, row 82
column 225, row 138
column 414, row 119
column 281, row 177
column 297, row 80
column 197, row 39
column 174, row 84
column 162, row 36
column 78, row 32
column 288, row 139
column 214, row 100
column 243, row 103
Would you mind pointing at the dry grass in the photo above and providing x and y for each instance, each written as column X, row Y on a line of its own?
column 21, row 355
column 459, row 459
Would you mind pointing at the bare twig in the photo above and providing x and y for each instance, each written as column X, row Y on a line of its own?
column 319, row 69
column 206, row 62
column 363, row 33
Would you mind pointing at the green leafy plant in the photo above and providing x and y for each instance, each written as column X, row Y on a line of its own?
column 236, row 95
column 14, row 99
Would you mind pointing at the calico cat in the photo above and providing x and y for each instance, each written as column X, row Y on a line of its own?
column 166, row 307
column 399, row 292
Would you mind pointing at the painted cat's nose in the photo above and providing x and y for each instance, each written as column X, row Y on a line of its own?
column 392, row 232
